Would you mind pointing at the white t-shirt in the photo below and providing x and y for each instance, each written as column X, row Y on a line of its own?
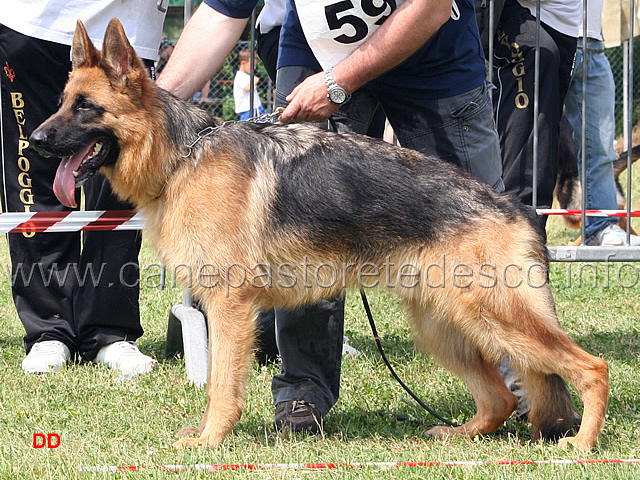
column 241, row 96
column 561, row 15
column 594, row 19
column 55, row 20
column 272, row 15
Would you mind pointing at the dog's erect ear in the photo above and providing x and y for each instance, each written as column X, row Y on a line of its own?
column 117, row 51
column 83, row 51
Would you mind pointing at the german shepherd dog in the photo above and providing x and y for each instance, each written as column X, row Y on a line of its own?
column 301, row 214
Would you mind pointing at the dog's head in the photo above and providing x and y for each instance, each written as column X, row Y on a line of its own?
column 98, row 110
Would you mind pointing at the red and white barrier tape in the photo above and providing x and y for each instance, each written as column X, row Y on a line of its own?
column 106, row 220
column 333, row 466
column 589, row 213
column 96, row 220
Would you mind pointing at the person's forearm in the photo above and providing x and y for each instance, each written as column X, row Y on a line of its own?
column 204, row 44
column 408, row 29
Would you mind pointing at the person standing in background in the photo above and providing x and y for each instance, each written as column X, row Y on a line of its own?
column 514, row 75
column 74, row 293
column 242, row 88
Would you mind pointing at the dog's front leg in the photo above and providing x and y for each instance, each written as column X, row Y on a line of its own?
column 230, row 318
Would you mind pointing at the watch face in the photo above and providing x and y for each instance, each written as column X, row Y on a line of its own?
column 338, row 96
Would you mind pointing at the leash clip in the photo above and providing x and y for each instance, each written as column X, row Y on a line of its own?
column 267, row 117
column 264, row 118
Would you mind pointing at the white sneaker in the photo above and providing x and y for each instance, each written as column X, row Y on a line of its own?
column 126, row 359
column 45, row 357
column 347, row 350
column 614, row 236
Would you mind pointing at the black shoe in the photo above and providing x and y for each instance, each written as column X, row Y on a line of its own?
column 298, row 416
column 577, row 422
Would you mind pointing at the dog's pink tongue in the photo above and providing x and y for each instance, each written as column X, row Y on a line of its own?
column 64, row 185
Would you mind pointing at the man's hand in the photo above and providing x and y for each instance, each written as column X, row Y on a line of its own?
column 309, row 102
column 401, row 35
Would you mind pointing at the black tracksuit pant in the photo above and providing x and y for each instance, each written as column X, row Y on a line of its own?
column 81, row 289
column 514, row 77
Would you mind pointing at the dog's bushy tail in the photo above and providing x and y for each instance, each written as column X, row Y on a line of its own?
column 551, row 415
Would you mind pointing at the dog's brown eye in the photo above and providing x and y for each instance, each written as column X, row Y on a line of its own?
column 82, row 103
column 84, row 106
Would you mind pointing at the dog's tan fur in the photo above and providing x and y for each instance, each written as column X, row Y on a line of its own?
column 211, row 209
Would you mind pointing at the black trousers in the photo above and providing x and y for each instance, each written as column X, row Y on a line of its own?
column 80, row 289
column 311, row 362
column 514, row 77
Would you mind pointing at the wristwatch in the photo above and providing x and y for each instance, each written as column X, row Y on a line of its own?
column 336, row 94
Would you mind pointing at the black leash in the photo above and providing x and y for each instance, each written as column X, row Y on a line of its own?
column 388, row 364
column 367, row 309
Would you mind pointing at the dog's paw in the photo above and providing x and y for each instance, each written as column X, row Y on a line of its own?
column 577, row 443
column 196, row 442
column 439, row 432
column 186, row 432
column 188, row 442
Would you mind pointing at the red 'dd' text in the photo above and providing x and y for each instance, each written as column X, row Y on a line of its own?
column 50, row 440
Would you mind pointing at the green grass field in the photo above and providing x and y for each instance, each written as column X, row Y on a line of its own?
column 104, row 423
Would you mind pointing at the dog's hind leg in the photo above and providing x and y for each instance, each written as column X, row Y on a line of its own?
column 230, row 318
column 558, row 354
column 494, row 401
column 530, row 333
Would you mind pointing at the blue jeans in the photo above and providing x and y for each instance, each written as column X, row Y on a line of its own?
column 599, row 154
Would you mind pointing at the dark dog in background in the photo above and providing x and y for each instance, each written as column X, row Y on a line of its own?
column 568, row 188
column 251, row 216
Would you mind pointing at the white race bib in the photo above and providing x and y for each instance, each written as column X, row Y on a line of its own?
column 335, row 28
